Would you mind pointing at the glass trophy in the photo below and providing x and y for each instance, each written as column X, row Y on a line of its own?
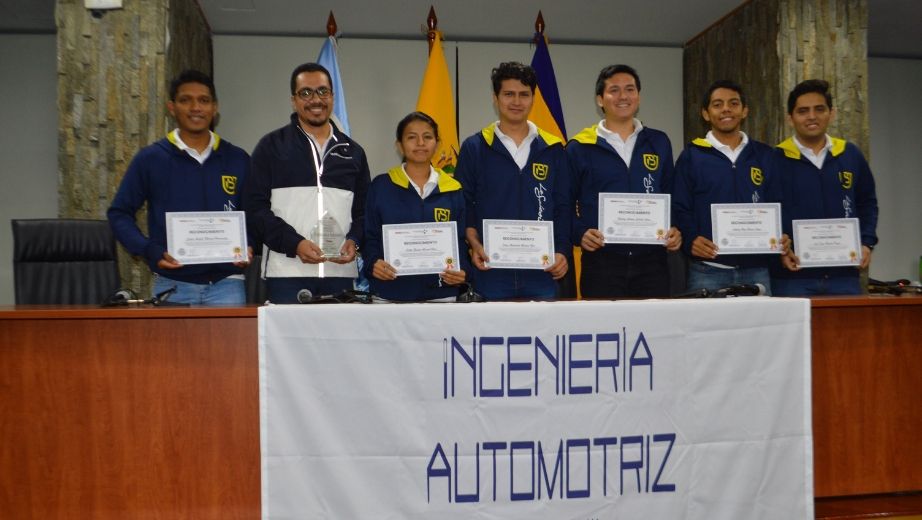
column 328, row 236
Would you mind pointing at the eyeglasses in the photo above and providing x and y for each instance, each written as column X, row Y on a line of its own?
column 307, row 93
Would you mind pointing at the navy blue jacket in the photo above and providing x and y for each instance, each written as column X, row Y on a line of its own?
column 705, row 176
column 168, row 179
column 391, row 200
column 496, row 188
column 597, row 168
column 281, row 195
column 842, row 188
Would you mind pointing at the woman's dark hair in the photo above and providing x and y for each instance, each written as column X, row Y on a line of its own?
column 417, row 116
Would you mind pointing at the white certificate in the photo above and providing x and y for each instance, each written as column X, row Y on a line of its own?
column 827, row 242
column 421, row 248
column 746, row 228
column 634, row 218
column 519, row 244
column 206, row 237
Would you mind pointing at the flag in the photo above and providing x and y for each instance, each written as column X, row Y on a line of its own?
column 546, row 111
column 328, row 59
column 435, row 99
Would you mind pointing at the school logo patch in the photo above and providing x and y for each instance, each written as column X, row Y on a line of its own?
column 442, row 215
column 229, row 183
column 846, row 178
column 539, row 171
column 756, row 175
column 651, row 161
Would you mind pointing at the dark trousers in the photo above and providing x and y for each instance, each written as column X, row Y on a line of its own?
column 611, row 274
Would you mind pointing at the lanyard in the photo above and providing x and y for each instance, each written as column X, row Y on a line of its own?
column 317, row 156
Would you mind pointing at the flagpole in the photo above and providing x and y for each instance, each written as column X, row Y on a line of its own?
column 457, row 94
column 539, row 27
column 432, row 22
column 331, row 25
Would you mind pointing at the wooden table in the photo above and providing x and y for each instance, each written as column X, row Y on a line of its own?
column 129, row 413
column 154, row 412
column 867, row 395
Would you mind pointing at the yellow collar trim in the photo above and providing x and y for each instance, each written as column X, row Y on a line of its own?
column 588, row 135
column 791, row 151
column 702, row 142
column 171, row 137
column 489, row 133
column 446, row 182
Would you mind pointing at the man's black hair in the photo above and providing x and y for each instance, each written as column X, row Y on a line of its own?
column 806, row 87
column 514, row 70
column 610, row 71
column 723, row 83
column 192, row 76
column 308, row 67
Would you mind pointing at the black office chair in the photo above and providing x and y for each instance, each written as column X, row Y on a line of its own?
column 256, row 290
column 63, row 261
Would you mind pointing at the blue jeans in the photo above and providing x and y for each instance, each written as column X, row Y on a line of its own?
column 703, row 276
column 817, row 286
column 227, row 291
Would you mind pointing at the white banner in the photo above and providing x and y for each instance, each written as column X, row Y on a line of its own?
column 578, row 410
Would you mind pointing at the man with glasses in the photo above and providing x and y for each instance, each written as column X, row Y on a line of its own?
column 191, row 169
column 306, row 195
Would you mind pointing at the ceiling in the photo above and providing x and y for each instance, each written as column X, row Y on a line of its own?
column 892, row 30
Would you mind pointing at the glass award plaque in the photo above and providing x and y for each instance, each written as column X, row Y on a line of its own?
column 329, row 236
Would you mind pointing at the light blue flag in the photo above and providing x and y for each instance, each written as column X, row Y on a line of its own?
column 328, row 59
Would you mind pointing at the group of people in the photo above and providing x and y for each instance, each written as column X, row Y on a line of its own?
column 308, row 175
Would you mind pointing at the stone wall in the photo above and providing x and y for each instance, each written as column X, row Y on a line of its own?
column 768, row 46
column 113, row 72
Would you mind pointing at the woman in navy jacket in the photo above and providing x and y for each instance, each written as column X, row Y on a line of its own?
column 409, row 193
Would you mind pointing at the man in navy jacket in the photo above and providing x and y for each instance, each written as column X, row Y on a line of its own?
column 513, row 170
column 306, row 172
column 620, row 155
column 191, row 169
column 724, row 167
column 822, row 177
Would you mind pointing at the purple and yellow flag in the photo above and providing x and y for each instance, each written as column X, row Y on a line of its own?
column 546, row 111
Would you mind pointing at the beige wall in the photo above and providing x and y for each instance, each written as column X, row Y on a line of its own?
column 382, row 80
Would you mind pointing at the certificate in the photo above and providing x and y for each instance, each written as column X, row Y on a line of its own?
column 519, row 244
column 634, row 218
column 746, row 228
column 206, row 237
column 827, row 242
column 421, row 248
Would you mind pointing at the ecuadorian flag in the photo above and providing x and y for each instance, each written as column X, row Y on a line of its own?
column 435, row 99
column 546, row 111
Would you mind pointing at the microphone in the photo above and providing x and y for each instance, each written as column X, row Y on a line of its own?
column 742, row 289
column 162, row 297
column 128, row 297
column 345, row 296
column 699, row 293
column 469, row 295
column 121, row 297
column 305, row 296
